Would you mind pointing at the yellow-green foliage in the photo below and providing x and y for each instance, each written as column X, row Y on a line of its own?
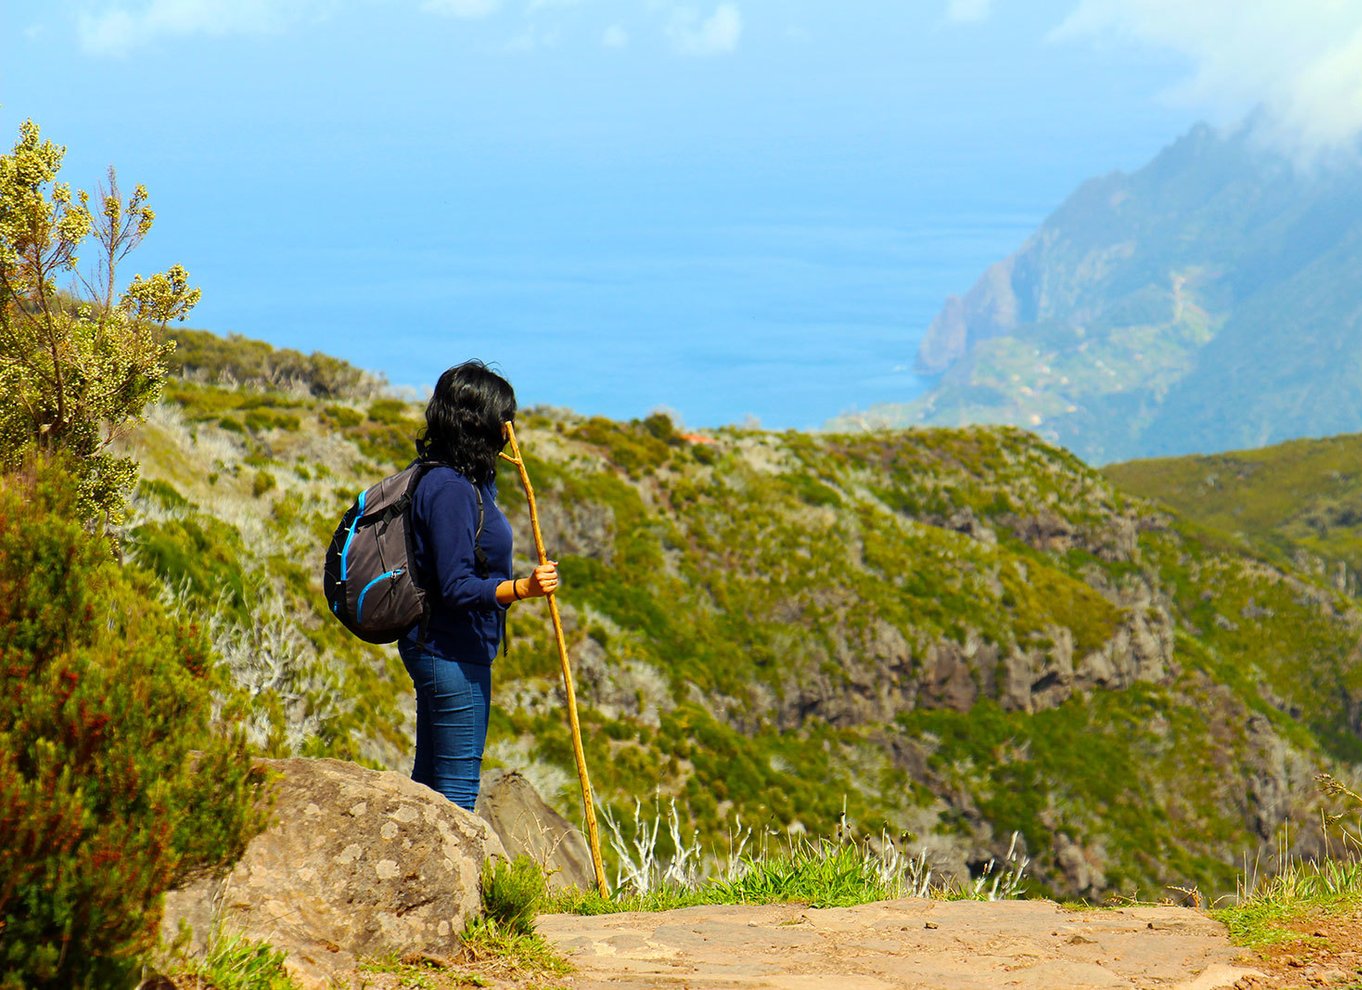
column 236, row 359
column 75, row 370
column 1305, row 495
column 235, row 962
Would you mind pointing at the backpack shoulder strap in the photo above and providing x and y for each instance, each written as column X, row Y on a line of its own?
column 422, row 466
column 483, row 568
column 479, row 554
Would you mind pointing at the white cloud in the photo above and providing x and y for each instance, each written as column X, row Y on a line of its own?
column 1301, row 61
column 615, row 37
column 717, row 34
column 968, row 11
column 466, row 9
column 118, row 30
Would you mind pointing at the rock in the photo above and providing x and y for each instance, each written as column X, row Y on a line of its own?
column 1280, row 786
column 1046, row 530
column 1034, row 680
column 358, row 863
column 1082, row 868
column 579, row 527
column 952, row 673
column 526, row 824
column 988, row 310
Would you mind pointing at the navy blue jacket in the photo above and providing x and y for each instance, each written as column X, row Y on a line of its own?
column 466, row 622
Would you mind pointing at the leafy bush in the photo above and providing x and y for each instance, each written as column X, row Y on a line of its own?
column 391, row 411
column 201, row 553
column 114, row 782
column 343, row 416
column 163, row 492
column 262, row 420
column 636, row 447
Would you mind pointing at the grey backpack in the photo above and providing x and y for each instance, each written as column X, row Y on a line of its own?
column 368, row 579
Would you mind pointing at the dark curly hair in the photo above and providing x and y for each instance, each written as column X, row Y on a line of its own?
column 463, row 420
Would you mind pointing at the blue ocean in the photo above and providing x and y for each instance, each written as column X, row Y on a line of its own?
column 783, row 304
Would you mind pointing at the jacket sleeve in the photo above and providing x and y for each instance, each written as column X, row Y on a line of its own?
column 448, row 508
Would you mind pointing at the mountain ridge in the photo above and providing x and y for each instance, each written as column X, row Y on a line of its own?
column 1202, row 302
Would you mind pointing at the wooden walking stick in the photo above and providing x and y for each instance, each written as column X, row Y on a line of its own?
column 573, row 724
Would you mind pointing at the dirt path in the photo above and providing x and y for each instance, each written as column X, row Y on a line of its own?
column 918, row 944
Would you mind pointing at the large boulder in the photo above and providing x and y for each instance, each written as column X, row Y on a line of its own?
column 358, row 863
column 526, row 824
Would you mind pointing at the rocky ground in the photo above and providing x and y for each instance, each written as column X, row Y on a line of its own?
column 1328, row 953
column 906, row 945
column 900, row 944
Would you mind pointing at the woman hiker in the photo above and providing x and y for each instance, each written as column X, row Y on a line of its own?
column 467, row 577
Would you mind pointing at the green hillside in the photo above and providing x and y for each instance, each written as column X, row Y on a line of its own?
column 1298, row 502
column 1207, row 301
column 957, row 634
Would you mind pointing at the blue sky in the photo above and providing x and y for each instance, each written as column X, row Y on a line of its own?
column 736, row 209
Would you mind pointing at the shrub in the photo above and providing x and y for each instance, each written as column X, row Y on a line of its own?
column 237, row 359
column 662, row 428
column 115, row 783
column 263, row 420
column 202, row 553
column 163, row 492
column 394, row 412
column 636, row 448
column 343, row 416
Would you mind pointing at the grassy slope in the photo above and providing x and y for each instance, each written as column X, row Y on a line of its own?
column 1305, row 495
column 752, row 623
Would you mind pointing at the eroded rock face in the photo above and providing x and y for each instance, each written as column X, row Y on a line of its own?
column 881, row 673
column 526, row 824
column 358, row 863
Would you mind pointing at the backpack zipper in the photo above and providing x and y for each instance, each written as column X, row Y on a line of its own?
column 359, row 605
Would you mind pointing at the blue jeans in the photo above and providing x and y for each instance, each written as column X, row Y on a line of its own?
column 453, row 700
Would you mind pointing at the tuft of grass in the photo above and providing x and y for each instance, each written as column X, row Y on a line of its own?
column 416, row 972
column 573, row 900
column 503, row 942
column 821, row 872
column 512, row 894
column 517, row 954
column 235, row 962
